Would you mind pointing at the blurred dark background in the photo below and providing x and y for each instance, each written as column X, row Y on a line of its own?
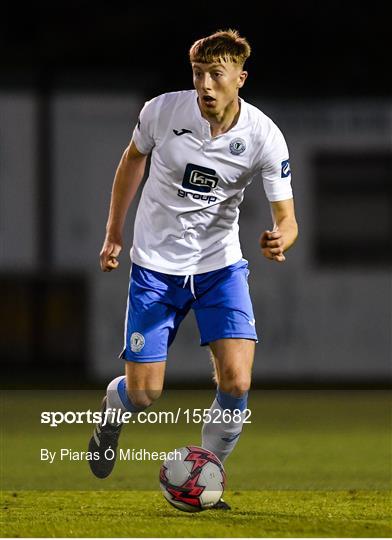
column 300, row 49
column 73, row 77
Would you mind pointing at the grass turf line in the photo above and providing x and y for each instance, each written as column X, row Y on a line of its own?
column 146, row 514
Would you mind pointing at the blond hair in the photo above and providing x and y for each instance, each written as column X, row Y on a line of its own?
column 223, row 45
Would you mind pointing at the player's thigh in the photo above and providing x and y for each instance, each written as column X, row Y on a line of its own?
column 224, row 307
column 233, row 360
column 152, row 317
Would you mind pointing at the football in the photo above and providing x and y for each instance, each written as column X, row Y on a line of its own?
column 194, row 480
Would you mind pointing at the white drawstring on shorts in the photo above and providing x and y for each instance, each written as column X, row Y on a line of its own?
column 190, row 278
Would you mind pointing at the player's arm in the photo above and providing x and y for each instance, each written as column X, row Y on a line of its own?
column 284, row 233
column 127, row 179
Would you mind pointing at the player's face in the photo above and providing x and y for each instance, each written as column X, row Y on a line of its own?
column 217, row 85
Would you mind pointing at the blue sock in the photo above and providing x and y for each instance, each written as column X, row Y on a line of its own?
column 122, row 392
column 227, row 401
column 221, row 435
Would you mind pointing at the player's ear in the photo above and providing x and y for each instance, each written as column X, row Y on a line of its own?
column 242, row 78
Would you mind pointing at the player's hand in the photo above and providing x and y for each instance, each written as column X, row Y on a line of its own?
column 271, row 243
column 109, row 253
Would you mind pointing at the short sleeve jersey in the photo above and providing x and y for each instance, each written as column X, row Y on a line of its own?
column 187, row 218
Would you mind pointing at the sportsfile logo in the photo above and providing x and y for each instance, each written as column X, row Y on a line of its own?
column 285, row 168
column 118, row 416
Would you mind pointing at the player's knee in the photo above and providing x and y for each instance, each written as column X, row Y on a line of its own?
column 143, row 398
column 153, row 395
column 239, row 388
column 236, row 386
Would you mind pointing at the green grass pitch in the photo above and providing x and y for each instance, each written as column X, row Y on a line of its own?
column 311, row 464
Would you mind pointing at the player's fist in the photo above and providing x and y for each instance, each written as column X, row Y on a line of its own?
column 109, row 253
column 271, row 243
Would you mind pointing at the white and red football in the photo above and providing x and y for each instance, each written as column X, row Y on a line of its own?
column 194, row 480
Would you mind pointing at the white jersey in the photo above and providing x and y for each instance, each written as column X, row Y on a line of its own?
column 187, row 219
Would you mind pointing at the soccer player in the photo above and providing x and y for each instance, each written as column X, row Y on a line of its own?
column 206, row 145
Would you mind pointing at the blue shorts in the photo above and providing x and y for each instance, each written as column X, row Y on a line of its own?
column 158, row 302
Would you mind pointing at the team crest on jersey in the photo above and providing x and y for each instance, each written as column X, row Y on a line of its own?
column 237, row 146
column 137, row 342
column 199, row 178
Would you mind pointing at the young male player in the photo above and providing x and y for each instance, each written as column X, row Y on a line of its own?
column 206, row 145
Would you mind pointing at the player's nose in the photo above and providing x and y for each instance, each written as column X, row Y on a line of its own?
column 206, row 82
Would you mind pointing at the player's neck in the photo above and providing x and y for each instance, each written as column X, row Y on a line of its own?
column 224, row 120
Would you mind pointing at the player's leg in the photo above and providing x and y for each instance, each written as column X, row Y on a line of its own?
column 144, row 382
column 226, row 322
column 151, row 323
column 136, row 390
column 132, row 393
column 233, row 360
